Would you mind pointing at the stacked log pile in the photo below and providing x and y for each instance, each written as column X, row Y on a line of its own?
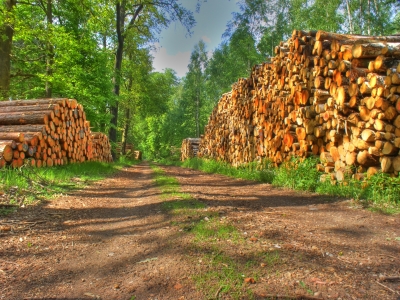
column 190, row 148
column 100, row 147
column 129, row 148
column 324, row 94
column 137, row 155
column 45, row 132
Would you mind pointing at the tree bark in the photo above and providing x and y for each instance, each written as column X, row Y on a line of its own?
column 6, row 36
column 50, row 50
column 120, row 25
column 127, row 120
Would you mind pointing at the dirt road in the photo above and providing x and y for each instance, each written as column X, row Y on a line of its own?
column 114, row 240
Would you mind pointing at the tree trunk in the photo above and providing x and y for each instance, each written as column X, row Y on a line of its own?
column 120, row 25
column 198, row 114
column 350, row 20
column 120, row 16
column 127, row 120
column 6, row 35
column 50, row 50
column 126, row 130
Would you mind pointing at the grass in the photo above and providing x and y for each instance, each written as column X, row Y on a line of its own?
column 27, row 185
column 221, row 274
column 380, row 192
column 251, row 171
column 212, row 229
column 175, row 202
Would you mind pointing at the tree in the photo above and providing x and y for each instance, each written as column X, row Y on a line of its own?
column 158, row 14
column 6, row 36
column 195, row 79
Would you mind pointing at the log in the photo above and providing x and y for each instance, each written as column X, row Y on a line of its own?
column 61, row 101
column 6, row 150
column 371, row 50
column 15, row 136
column 25, row 118
column 366, row 159
column 350, row 39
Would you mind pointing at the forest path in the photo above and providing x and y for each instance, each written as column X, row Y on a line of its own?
column 115, row 240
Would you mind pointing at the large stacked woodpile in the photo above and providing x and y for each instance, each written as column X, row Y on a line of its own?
column 190, row 148
column 330, row 95
column 47, row 132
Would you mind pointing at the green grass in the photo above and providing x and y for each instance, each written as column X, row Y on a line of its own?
column 225, row 275
column 379, row 193
column 271, row 258
column 175, row 202
column 213, row 230
column 27, row 185
column 251, row 171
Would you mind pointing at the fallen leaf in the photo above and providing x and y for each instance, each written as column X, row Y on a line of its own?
column 178, row 286
column 253, row 239
column 249, row 280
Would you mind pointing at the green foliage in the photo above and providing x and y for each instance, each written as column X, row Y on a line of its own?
column 248, row 171
column 298, row 175
column 382, row 188
column 29, row 185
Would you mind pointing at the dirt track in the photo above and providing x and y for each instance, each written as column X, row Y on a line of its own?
column 113, row 240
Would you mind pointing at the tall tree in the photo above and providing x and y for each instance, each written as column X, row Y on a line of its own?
column 6, row 37
column 159, row 14
column 195, row 79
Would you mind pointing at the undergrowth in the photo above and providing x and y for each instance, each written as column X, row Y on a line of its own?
column 380, row 192
column 28, row 185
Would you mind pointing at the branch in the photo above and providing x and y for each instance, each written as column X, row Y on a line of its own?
column 25, row 60
column 20, row 74
column 137, row 12
column 42, row 6
column 24, row 2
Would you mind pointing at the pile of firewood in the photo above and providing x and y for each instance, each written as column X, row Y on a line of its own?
column 47, row 132
column 101, row 148
column 190, row 148
column 330, row 95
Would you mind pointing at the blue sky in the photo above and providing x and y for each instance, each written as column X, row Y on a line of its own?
column 174, row 47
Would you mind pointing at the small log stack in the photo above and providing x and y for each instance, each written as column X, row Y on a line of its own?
column 46, row 132
column 324, row 94
column 137, row 155
column 190, row 148
column 101, row 148
column 129, row 148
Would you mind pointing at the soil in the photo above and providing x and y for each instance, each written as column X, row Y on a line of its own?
column 113, row 240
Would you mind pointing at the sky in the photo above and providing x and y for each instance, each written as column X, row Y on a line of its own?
column 175, row 46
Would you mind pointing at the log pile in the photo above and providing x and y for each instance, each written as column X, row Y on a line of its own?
column 190, row 148
column 323, row 94
column 100, row 147
column 46, row 132
column 129, row 148
column 137, row 155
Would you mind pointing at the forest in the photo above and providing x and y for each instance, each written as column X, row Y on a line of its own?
column 99, row 52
